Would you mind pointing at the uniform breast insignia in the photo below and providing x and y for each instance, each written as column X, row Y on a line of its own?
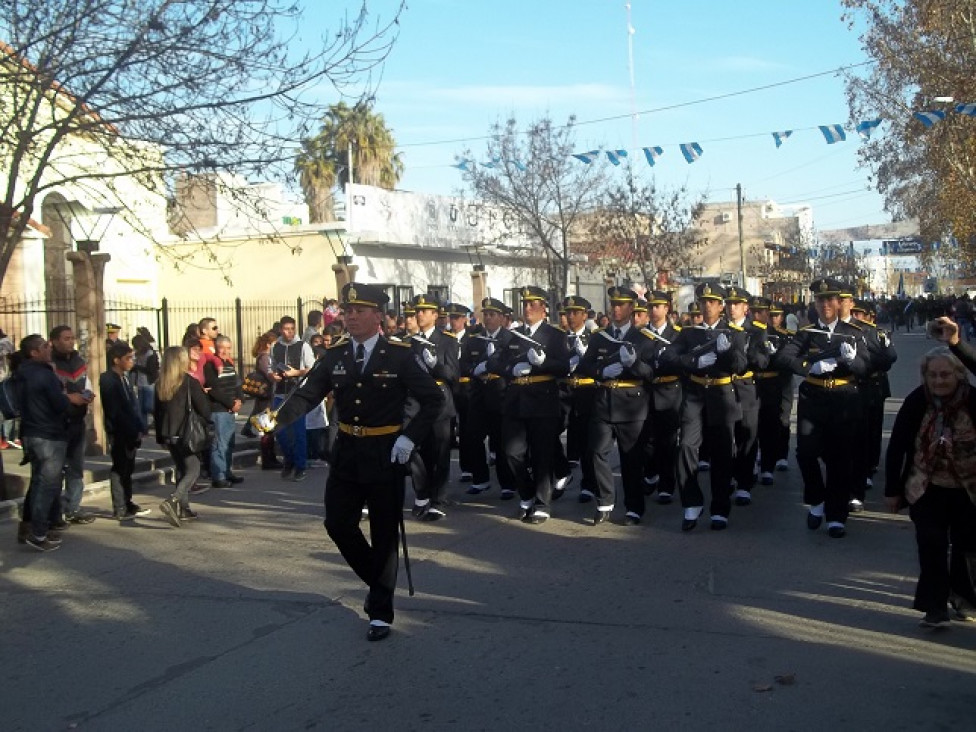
column 339, row 369
column 386, row 375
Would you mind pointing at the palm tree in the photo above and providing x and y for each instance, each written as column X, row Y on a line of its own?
column 323, row 162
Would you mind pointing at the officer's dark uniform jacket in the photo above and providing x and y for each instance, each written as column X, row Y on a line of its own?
column 487, row 390
column 757, row 360
column 625, row 398
column 803, row 350
column 666, row 382
column 445, row 371
column 373, row 400
column 536, row 394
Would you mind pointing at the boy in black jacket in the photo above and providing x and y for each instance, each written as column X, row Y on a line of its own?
column 123, row 424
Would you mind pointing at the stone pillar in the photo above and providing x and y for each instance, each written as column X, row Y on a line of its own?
column 89, row 271
column 479, row 288
column 345, row 272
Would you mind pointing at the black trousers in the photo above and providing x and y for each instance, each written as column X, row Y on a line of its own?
column 529, row 448
column 631, row 449
column 462, row 403
column 775, row 408
column 944, row 517
column 375, row 564
column 719, row 434
column 123, row 465
column 431, row 463
column 746, row 448
column 660, row 439
column 484, row 423
column 826, row 431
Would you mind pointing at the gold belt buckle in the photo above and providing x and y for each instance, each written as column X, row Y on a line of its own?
column 829, row 383
column 357, row 430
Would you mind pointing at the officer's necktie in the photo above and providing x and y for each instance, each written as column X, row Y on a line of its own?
column 616, row 333
column 360, row 357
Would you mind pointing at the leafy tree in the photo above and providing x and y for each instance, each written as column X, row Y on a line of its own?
column 532, row 177
column 323, row 162
column 160, row 89
column 923, row 50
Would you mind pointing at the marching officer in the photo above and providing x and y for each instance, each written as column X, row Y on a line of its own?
column 371, row 379
column 457, row 318
column 430, row 466
column 708, row 355
column 868, row 314
column 487, row 398
column 532, row 361
column 774, row 387
column 620, row 359
column 747, row 428
column 576, row 394
column 830, row 355
column 663, row 417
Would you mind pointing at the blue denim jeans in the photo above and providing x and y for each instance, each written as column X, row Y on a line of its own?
column 292, row 440
column 47, row 465
column 74, row 470
column 222, row 449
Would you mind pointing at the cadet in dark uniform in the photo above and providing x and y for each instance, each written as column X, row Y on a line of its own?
column 370, row 379
column 532, row 361
column 774, row 387
column 868, row 314
column 487, row 394
column 620, row 359
column 747, row 428
column 830, row 355
column 431, row 463
column 457, row 318
column 663, row 418
column 708, row 354
column 576, row 394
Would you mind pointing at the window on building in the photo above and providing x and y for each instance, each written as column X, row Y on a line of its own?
column 404, row 295
column 441, row 292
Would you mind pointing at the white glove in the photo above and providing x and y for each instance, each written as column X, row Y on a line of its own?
column 771, row 347
column 722, row 343
column 847, row 352
column 613, row 371
column 580, row 346
column 401, row 450
column 536, row 356
column 573, row 363
column 429, row 358
column 707, row 359
column 628, row 356
column 824, row 367
column 481, row 368
column 521, row 369
column 264, row 422
column 490, row 350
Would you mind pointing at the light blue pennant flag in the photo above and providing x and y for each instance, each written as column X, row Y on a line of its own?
column 866, row 127
column 781, row 137
column 652, row 154
column 833, row 133
column 493, row 163
column 968, row 109
column 691, row 150
column 587, row 157
column 929, row 117
column 614, row 156
column 463, row 165
column 520, row 166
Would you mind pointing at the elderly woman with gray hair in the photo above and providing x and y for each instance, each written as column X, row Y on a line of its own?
column 930, row 466
column 223, row 385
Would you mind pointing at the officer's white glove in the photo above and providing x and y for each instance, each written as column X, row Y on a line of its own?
column 573, row 363
column 480, row 368
column 707, row 359
column 521, row 369
column 580, row 346
column 628, row 356
column 264, row 422
column 612, row 371
column 401, row 450
column 430, row 358
column 771, row 347
column 536, row 356
column 823, row 367
column 847, row 352
column 722, row 343
column 490, row 350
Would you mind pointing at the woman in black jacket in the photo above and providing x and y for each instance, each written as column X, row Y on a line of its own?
column 177, row 392
column 123, row 425
column 930, row 466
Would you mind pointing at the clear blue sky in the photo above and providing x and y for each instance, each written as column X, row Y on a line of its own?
column 460, row 65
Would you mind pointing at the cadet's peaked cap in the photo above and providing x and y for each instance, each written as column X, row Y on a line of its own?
column 490, row 303
column 425, row 302
column 357, row 293
column 112, row 328
column 736, row 294
column 531, row 292
column 457, row 310
column 860, row 306
column 658, row 297
column 621, row 295
column 575, row 302
column 640, row 306
column 707, row 290
column 776, row 308
column 408, row 309
column 846, row 290
column 826, row 287
column 693, row 308
column 759, row 303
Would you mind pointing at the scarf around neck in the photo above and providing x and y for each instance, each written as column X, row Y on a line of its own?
column 946, row 442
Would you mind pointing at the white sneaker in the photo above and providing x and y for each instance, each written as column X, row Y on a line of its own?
column 782, row 465
column 855, row 506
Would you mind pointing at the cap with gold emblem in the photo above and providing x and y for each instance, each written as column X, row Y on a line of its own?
column 759, row 303
column 531, row 292
column 736, row 294
column 621, row 295
column 825, row 287
column 575, row 302
column 490, row 303
column 658, row 297
column 846, row 290
column 457, row 310
column 357, row 293
column 709, row 291
column 693, row 308
column 112, row 328
column 409, row 310
column 859, row 307
column 425, row 302
column 775, row 308
column 640, row 306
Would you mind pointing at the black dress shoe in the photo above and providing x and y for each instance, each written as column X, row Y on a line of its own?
column 419, row 511
column 664, row 499
column 377, row 632
column 507, row 494
column 523, row 514
column 601, row 517
column 585, row 497
column 632, row 520
column 433, row 514
column 537, row 517
column 813, row 522
column 836, row 532
column 221, row 484
column 688, row 524
column 235, row 479
column 719, row 525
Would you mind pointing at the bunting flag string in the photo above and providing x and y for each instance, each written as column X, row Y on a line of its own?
column 929, row 117
column 967, row 109
column 781, row 137
column 833, row 133
column 614, row 156
column 691, row 150
column 652, row 154
column 866, row 127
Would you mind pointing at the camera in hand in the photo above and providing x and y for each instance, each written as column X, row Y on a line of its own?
column 934, row 329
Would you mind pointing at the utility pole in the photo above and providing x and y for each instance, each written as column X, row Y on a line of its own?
column 742, row 248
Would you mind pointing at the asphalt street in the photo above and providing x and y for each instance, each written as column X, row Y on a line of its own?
column 248, row 619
